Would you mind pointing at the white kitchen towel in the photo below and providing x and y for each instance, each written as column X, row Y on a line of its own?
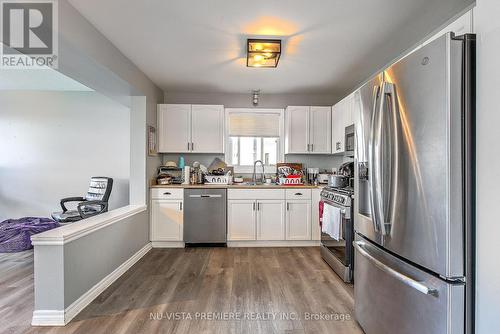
column 332, row 222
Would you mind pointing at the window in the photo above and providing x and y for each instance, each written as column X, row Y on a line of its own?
column 246, row 150
column 254, row 134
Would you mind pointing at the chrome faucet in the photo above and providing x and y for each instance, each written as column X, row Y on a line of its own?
column 254, row 176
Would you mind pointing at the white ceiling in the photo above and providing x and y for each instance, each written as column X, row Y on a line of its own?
column 39, row 79
column 330, row 46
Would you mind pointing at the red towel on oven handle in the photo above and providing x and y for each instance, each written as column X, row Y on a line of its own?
column 321, row 207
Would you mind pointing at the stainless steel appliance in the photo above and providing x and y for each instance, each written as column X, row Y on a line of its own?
column 339, row 254
column 413, row 186
column 323, row 178
column 349, row 140
column 205, row 216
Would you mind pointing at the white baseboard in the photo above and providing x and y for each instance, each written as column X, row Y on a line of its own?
column 167, row 244
column 61, row 318
column 48, row 318
column 277, row 243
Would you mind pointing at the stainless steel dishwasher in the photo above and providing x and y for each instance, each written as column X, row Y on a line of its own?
column 205, row 216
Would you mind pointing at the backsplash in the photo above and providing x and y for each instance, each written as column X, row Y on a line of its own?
column 323, row 162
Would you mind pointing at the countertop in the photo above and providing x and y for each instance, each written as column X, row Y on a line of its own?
column 236, row 186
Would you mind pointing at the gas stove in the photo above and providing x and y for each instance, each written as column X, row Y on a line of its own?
column 340, row 196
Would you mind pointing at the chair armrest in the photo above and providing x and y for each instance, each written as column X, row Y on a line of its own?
column 102, row 204
column 70, row 199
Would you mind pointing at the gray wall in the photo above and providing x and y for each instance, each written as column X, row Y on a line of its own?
column 64, row 273
column 487, row 26
column 84, row 265
column 53, row 142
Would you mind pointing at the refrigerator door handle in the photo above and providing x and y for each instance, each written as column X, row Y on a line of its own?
column 372, row 177
column 377, row 171
column 391, row 158
column 419, row 286
column 384, row 154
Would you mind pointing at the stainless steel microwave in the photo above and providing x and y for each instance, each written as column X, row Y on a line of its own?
column 349, row 140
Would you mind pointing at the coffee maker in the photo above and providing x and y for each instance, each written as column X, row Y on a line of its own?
column 312, row 176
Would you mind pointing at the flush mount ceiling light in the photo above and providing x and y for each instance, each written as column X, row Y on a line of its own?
column 263, row 52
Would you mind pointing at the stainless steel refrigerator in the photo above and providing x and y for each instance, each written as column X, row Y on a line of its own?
column 414, row 191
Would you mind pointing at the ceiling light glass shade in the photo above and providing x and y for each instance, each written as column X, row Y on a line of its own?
column 263, row 52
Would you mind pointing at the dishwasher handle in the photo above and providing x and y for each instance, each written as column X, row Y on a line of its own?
column 205, row 196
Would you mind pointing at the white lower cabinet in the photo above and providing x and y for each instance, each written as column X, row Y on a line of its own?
column 166, row 220
column 270, row 220
column 264, row 217
column 298, row 220
column 241, row 220
column 270, row 216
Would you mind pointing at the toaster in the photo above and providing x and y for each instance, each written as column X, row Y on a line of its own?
column 323, row 178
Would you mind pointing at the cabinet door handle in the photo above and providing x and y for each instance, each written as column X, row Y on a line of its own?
column 258, row 206
column 180, row 206
column 192, row 146
column 312, row 147
column 287, row 206
column 253, row 206
column 167, row 193
column 188, row 146
column 298, row 194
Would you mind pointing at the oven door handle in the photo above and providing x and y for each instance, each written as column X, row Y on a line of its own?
column 342, row 209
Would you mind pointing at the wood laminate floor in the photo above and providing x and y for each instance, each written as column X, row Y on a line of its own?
column 199, row 290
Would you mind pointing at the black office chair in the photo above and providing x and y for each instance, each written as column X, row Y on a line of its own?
column 94, row 203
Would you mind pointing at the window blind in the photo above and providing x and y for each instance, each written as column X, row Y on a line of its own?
column 254, row 125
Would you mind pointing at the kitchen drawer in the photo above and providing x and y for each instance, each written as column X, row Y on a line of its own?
column 167, row 193
column 298, row 194
column 256, row 194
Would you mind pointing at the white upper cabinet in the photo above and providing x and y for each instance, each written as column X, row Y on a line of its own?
column 207, row 128
column 174, row 133
column 185, row 128
column 320, row 130
column 308, row 130
column 337, row 130
column 297, row 129
column 342, row 116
